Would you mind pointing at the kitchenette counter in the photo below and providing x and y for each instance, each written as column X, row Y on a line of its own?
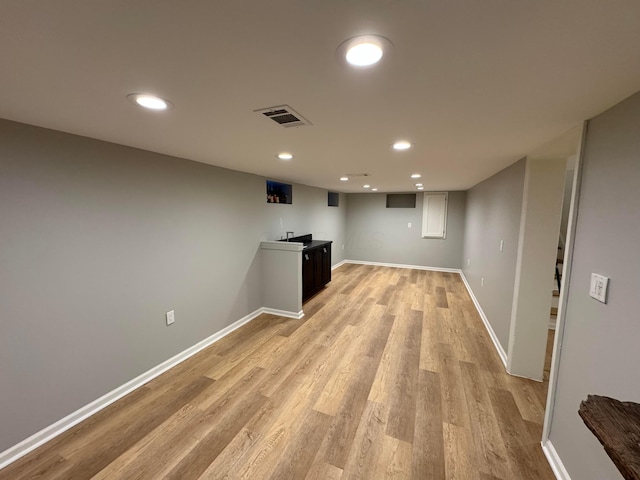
column 294, row 271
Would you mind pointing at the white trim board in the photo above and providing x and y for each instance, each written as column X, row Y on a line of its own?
column 338, row 265
column 48, row 433
column 554, row 461
column 566, row 280
column 400, row 265
column 487, row 325
column 283, row 313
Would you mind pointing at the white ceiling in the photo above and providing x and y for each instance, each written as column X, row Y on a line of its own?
column 475, row 85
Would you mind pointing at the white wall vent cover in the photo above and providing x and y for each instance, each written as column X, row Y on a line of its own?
column 284, row 115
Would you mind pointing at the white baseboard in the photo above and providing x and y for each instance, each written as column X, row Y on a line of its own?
column 539, row 380
column 282, row 313
column 400, row 265
column 554, row 461
column 48, row 433
column 338, row 265
column 485, row 320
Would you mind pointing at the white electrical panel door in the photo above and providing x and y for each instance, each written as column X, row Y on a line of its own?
column 434, row 215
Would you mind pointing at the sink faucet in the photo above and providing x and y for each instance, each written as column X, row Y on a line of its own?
column 288, row 235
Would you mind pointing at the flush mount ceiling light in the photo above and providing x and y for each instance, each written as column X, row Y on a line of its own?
column 420, row 188
column 285, row 156
column 416, row 175
column 366, row 186
column 344, row 179
column 149, row 101
column 374, row 189
column 364, row 54
column 418, row 184
column 364, row 51
column 402, row 145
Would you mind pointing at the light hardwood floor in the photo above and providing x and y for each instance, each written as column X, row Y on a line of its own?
column 390, row 374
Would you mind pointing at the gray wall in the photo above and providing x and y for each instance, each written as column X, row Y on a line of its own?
column 309, row 213
column 493, row 213
column 600, row 345
column 379, row 234
column 98, row 241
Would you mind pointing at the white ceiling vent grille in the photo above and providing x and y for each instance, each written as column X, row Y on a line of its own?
column 284, row 115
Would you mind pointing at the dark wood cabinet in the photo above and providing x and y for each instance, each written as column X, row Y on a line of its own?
column 308, row 278
column 316, row 269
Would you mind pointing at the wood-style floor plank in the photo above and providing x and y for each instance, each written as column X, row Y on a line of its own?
column 491, row 453
column 459, row 453
column 367, row 446
column 337, row 444
column 323, row 471
column 403, row 390
column 428, row 448
column 390, row 374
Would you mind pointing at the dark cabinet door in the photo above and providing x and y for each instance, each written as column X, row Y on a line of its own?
column 317, row 270
column 326, row 264
column 308, row 260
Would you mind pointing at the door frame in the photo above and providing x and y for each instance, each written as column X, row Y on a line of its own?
column 566, row 285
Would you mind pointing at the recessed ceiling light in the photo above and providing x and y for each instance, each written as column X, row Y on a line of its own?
column 416, row 175
column 402, row 145
column 420, row 188
column 364, row 51
column 364, row 54
column 374, row 189
column 149, row 101
column 344, row 179
column 366, row 186
column 285, row 156
column 418, row 184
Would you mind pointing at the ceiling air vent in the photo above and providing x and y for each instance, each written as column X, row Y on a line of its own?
column 284, row 115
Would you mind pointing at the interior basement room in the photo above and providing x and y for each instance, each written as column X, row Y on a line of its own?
column 319, row 240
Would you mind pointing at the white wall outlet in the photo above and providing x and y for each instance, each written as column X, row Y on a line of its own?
column 598, row 287
column 482, row 281
column 409, row 225
column 468, row 262
column 343, row 246
column 501, row 245
column 171, row 317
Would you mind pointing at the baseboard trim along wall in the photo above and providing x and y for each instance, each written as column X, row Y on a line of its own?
column 485, row 320
column 339, row 264
column 49, row 433
column 283, row 313
column 400, row 265
column 554, row 461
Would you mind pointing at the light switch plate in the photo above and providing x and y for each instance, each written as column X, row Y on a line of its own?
column 171, row 317
column 501, row 245
column 409, row 225
column 598, row 287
